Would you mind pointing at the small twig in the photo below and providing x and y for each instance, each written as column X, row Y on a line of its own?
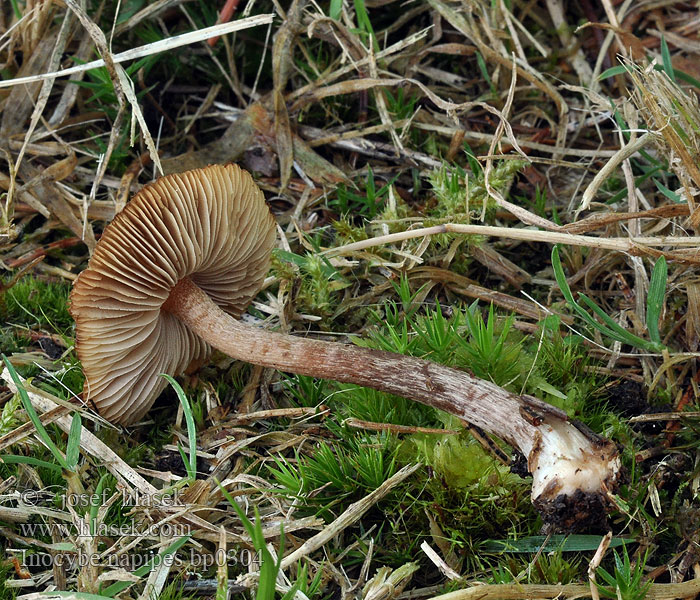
column 360, row 424
column 531, row 235
column 602, row 175
column 224, row 17
column 595, row 563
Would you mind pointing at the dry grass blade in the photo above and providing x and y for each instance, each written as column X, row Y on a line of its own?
column 124, row 90
column 676, row 117
column 606, row 172
column 177, row 41
column 148, row 11
column 578, row 60
column 46, row 86
column 466, row 26
column 350, row 516
column 629, row 244
column 392, row 51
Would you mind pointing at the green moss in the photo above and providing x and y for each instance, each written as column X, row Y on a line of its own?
column 459, row 459
column 320, row 283
column 548, row 568
column 371, row 405
column 37, row 303
column 461, row 196
column 347, row 233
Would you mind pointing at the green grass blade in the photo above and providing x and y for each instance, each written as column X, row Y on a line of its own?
column 13, row 459
column 683, row 76
column 655, row 298
column 670, row 194
column 73, row 595
column 335, row 9
column 481, row 63
column 33, row 416
column 190, row 465
column 615, row 331
column 16, row 9
column 666, row 59
column 542, row 543
column 566, row 290
column 185, row 461
column 612, row 71
column 95, row 505
column 268, row 567
column 73, row 445
column 247, row 525
column 609, row 327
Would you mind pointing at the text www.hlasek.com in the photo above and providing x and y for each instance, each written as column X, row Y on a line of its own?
column 34, row 530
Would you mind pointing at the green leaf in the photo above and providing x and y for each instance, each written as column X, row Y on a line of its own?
column 268, row 567
column 655, row 298
column 16, row 9
column 615, row 331
column 190, row 465
column 683, row 76
column 666, row 59
column 550, row 389
column 566, row 290
column 95, row 506
column 612, row 71
column 537, row 543
column 609, row 327
column 73, row 445
column 13, row 459
column 290, row 257
column 484, row 70
column 671, row 195
column 33, row 417
column 73, row 595
column 335, row 9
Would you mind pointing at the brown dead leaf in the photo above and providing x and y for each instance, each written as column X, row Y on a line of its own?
column 44, row 188
column 630, row 41
column 282, row 52
column 252, row 129
column 500, row 265
column 22, row 97
column 600, row 220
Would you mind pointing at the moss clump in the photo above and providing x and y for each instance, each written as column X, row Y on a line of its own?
column 459, row 459
column 37, row 303
column 460, row 196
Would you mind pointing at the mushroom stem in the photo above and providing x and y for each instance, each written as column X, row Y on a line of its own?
column 573, row 469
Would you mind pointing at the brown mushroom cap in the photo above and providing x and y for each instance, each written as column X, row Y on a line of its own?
column 211, row 225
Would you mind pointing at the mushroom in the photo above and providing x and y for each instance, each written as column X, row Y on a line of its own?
column 176, row 268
